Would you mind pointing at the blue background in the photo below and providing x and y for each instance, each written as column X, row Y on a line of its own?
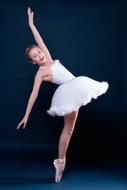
column 89, row 38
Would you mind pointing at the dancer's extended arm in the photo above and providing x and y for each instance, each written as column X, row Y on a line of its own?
column 32, row 98
column 37, row 36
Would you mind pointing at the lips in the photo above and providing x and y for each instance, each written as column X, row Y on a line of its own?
column 42, row 59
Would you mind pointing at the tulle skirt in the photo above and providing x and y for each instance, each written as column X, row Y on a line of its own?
column 78, row 92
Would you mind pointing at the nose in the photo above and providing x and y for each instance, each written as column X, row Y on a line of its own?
column 39, row 56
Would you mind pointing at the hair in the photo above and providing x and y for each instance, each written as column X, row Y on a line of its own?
column 27, row 51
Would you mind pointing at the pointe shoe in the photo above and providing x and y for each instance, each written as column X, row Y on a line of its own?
column 59, row 166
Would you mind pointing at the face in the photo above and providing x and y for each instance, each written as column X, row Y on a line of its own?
column 37, row 56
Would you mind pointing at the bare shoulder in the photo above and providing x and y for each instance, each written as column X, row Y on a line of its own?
column 44, row 71
column 38, row 76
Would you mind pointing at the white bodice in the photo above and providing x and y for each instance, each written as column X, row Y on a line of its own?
column 60, row 73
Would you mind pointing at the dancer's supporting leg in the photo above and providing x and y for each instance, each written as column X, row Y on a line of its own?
column 69, row 125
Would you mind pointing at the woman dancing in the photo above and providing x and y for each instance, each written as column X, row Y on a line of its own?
column 72, row 93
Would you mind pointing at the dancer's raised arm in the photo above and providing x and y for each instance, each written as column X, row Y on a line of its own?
column 37, row 36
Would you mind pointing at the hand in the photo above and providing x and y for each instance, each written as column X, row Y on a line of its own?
column 22, row 122
column 30, row 15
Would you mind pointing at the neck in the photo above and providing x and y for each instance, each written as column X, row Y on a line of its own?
column 47, row 64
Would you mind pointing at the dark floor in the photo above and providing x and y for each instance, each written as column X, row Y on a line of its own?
column 34, row 171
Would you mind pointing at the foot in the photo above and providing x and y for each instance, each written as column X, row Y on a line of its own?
column 59, row 166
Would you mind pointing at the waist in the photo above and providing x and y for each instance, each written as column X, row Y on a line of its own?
column 62, row 81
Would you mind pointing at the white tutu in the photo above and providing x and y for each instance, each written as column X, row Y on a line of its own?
column 75, row 93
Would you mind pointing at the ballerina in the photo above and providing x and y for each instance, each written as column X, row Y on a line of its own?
column 72, row 92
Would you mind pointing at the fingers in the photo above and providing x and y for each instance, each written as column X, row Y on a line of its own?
column 20, row 124
column 30, row 12
column 30, row 15
column 24, row 126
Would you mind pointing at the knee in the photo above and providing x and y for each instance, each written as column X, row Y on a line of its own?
column 69, row 131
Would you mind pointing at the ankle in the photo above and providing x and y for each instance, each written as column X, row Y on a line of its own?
column 59, row 164
column 60, row 161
